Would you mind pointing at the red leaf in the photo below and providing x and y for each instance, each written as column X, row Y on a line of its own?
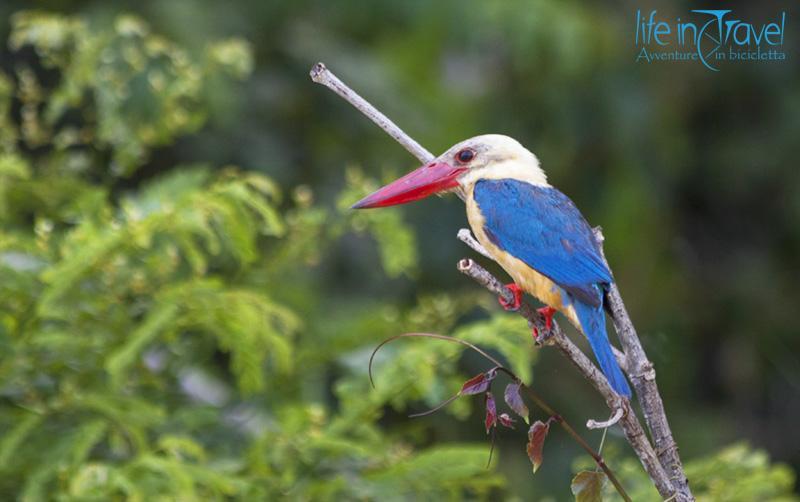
column 474, row 385
column 514, row 400
column 587, row 486
column 536, row 435
column 506, row 421
column 478, row 384
column 491, row 412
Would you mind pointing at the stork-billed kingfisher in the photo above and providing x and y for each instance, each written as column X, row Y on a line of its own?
column 531, row 229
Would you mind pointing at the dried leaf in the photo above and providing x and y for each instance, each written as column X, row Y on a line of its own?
column 536, row 435
column 478, row 384
column 587, row 486
column 506, row 421
column 514, row 400
column 491, row 412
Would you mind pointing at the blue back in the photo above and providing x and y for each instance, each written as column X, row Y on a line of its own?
column 542, row 227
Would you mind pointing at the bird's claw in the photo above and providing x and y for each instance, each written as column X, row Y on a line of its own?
column 515, row 304
column 547, row 313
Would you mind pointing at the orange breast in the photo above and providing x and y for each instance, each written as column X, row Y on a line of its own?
column 531, row 281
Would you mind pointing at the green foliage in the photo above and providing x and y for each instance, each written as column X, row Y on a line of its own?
column 159, row 340
column 396, row 240
column 136, row 89
column 737, row 473
column 741, row 473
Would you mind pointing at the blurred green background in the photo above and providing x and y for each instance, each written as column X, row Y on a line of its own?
column 189, row 305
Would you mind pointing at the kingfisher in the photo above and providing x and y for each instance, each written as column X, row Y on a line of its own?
column 534, row 231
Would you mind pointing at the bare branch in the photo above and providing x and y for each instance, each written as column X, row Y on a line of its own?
column 555, row 337
column 465, row 236
column 321, row 75
column 643, row 377
column 593, row 424
column 630, row 424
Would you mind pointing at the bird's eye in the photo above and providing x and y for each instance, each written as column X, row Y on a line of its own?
column 465, row 155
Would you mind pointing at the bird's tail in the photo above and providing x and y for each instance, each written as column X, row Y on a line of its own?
column 593, row 322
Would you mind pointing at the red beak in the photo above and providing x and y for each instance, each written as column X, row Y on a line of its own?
column 425, row 181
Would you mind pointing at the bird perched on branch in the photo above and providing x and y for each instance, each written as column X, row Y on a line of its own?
column 531, row 229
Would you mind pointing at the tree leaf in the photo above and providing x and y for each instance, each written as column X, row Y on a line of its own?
column 118, row 362
column 478, row 384
column 506, row 421
column 491, row 412
column 536, row 435
column 514, row 400
column 587, row 486
column 14, row 437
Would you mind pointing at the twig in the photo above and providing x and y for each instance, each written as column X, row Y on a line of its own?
column 321, row 75
column 465, row 236
column 427, row 335
column 630, row 424
column 643, row 377
column 532, row 395
column 555, row 336
column 594, row 424
column 597, row 456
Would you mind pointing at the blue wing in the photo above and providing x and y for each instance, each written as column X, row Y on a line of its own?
column 542, row 227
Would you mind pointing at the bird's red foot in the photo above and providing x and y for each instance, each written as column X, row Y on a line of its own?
column 514, row 305
column 547, row 313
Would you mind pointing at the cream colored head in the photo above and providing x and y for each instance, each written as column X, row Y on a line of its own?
column 491, row 156
column 494, row 156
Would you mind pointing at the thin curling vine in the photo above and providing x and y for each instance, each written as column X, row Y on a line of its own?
column 481, row 384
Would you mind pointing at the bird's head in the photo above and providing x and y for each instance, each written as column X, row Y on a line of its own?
column 491, row 156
